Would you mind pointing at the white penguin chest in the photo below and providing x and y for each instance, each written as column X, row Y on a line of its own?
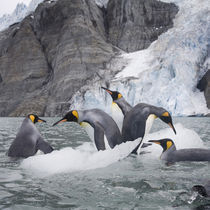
column 149, row 123
column 117, row 115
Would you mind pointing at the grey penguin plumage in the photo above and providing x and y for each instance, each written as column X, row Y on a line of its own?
column 171, row 154
column 28, row 140
column 135, row 123
column 101, row 122
column 138, row 120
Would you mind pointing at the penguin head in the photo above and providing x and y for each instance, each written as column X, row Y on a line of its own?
column 166, row 117
column 114, row 94
column 164, row 143
column 34, row 118
column 71, row 116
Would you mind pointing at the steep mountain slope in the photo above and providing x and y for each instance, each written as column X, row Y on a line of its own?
column 65, row 45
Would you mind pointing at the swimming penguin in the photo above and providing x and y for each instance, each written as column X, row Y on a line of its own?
column 104, row 126
column 28, row 140
column 203, row 190
column 171, row 154
column 138, row 120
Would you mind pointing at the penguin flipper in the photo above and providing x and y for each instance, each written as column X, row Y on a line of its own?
column 136, row 148
column 44, row 146
column 99, row 137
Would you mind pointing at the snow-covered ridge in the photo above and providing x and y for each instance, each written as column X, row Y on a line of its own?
column 18, row 14
column 166, row 74
column 22, row 11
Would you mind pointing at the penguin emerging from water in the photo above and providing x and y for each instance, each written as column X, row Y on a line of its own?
column 28, row 140
column 119, row 100
column 171, row 154
column 203, row 190
column 138, row 120
column 104, row 126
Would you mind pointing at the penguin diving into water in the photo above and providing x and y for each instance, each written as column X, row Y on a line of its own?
column 138, row 120
column 104, row 126
column 171, row 154
column 28, row 140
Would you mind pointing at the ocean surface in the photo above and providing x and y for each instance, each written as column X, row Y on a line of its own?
column 76, row 176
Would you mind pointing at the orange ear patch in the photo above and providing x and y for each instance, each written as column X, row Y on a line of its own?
column 169, row 144
column 165, row 114
column 119, row 96
column 75, row 113
column 32, row 118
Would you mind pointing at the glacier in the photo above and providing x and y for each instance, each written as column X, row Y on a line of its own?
column 165, row 74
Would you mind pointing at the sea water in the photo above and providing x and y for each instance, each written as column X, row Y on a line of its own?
column 77, row 176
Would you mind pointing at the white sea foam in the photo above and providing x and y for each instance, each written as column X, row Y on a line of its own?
column 81, row 158
column 85, row 157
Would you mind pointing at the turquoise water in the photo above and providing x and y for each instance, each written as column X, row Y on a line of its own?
column 131, row 183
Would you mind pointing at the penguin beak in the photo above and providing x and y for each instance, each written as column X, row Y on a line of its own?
column 107, row 90
column 154, row 141
column 41, row 120
column 59, row 121
column 171, row 125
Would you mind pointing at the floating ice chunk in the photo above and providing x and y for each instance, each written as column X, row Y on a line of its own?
column 70, row 160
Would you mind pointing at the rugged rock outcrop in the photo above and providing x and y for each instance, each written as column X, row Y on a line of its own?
column 134, row 25
column 63, row 45
column 204, row 85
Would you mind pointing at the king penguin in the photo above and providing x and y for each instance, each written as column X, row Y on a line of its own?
column 138, row 120
column 104, row 126
column 28, row 140
column 171, row 154
column 119, row 100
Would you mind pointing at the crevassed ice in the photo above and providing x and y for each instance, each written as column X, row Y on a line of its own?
column 166, row 74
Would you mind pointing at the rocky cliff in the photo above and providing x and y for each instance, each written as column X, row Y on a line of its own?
column 63, row 45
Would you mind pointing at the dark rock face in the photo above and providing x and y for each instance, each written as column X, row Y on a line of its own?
column 47, row 57
column 134, row 25
column 204, row 85
column 23, row 71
